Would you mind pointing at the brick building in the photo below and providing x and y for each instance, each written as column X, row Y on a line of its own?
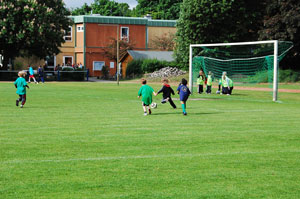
column 90, row 35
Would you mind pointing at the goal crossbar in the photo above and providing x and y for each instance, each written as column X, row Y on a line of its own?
column 275, row 66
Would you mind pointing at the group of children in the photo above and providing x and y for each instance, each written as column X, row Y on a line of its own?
column 147, row 91
column 225, row 83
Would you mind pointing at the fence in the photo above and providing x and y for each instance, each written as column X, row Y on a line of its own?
column 49, row 75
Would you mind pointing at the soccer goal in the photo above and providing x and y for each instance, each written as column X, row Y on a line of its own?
column 246, row 62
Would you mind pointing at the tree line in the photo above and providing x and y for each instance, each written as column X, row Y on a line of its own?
column 37, row 27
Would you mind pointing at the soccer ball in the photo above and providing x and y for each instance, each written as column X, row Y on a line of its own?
column 153, row 105
column 218, row 92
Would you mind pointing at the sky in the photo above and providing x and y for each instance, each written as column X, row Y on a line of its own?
column 79, row 3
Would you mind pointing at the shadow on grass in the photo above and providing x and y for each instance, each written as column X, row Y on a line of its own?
column 176, row 113
column 208, row 113
column 239, row 94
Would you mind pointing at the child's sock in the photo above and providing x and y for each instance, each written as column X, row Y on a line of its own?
column 183, row 108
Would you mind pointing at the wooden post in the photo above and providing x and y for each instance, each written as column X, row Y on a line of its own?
column 118, row 52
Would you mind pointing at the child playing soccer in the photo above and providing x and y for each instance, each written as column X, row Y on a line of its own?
column 167, row 91
column 31, row 75
column 21, row 85
column 184, row 93
column 146, row 93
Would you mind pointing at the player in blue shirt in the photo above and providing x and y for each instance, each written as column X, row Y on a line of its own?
column 184, row 93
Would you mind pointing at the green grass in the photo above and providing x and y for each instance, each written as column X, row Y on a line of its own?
column 91, row 140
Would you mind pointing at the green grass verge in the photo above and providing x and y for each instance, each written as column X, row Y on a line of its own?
column 91, row 140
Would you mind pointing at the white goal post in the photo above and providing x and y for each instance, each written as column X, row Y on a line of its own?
column 274, row 42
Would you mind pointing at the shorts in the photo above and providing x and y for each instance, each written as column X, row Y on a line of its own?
column 145, row 104
column 31, row 76
column 184, row 98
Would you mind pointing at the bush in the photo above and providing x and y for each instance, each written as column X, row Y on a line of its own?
column 18, row 66
column 105, row 72
column 134, row 68
column 284, row 76
column 151, row 65
column 260, row 77
column 289, row 76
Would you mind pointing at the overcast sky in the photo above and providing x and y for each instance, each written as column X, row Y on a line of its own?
column 79, row 3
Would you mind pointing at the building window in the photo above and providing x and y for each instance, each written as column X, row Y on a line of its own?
column 79, row 28
column 51, row 61
column 98, row 65
column 68, row 34
column 125, row 34
column 68, row 60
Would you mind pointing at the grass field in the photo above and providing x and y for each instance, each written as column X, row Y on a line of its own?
column 91, row 140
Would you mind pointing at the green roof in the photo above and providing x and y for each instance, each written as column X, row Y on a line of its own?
column 159, row 55
column 122, row 20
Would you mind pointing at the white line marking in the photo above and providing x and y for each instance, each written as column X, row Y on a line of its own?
column 144, row 157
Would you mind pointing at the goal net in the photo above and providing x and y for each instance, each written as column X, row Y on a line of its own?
column 244, row 62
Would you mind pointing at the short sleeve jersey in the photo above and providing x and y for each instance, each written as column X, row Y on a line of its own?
column 21, row 86
column 31, row 72
column 146, row 93
column 184, row 92
column 209, row 80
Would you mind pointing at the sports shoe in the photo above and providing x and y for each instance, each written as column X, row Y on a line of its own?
column 21, row 106
column 145, row 114
column 150, row 112
column 184, row 113
column 17, row 102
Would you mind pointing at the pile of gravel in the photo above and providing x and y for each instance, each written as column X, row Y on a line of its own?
column 166, row 72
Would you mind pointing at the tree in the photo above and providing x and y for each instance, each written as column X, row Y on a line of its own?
column 85, row 9
column 111, row 50
column 213, row 21
column 281, row 22
column 164, row 42
column 32, row 27
column 159, row 9
column 110, row 8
